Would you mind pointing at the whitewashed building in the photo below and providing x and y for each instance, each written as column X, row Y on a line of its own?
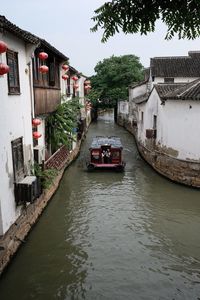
column 163, row 115
column 16, row 110
column 26, row 93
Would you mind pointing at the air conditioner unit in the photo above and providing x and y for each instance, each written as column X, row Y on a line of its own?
column 27, row 190
column 39, row 154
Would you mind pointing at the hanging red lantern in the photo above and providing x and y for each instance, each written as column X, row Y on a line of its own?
column 65, row 76
column 43, row 55
column 4, row 69
column 36, row 122
column 43, row 69
column 3, row 47
column 65, row 67
column 75, row 78
column 36, row 135
column 87, row 82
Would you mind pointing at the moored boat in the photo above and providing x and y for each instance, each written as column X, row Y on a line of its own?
column 106, row 153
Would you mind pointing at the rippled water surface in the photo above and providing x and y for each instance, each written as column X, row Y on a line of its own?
column 106, row 235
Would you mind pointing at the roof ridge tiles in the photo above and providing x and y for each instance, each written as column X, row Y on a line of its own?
column 191, row 85
column 170, row 57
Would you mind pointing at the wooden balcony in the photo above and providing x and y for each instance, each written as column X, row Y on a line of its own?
column 46, row 100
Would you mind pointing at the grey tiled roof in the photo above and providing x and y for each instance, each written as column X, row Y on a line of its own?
column 176, row 66
column 28, row 37
column 22, row 34
column 189, row 91
column 141, row 98
column 112, row 141
column 165, row 88
column 53, row 49
column 135, row 84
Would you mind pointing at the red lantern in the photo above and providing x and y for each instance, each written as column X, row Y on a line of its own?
column 43, row 69
column 65, row 67
column 36, row 122
column 75, row 78
column 4, row 69
column 3, row 47
column 36, row 135
column 43, row 55
column 65, row 76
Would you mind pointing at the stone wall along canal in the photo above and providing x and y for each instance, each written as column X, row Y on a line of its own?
column 106, row 235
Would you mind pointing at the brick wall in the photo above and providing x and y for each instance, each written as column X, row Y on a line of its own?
column 58, row 159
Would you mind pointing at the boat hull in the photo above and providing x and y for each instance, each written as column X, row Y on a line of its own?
column 115, row 167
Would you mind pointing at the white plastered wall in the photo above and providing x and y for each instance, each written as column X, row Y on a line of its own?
column 15, row 122
column 180, row 128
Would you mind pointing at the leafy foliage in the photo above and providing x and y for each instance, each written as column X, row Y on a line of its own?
column 47, row 175
column 113, row 76
column 133, row 16
column 61, row 123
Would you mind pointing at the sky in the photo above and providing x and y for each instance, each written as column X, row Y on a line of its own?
column 66, row 24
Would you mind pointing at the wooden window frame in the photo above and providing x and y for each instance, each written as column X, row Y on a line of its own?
column 68, row 91
column 49, row 80
column 18, row 158
column 13, row 75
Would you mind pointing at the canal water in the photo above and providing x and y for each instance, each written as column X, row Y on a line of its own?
column 105, row 235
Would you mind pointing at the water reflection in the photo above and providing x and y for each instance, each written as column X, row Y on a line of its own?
column 106, row 235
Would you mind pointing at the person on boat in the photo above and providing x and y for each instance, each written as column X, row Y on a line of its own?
column 103, row 155
column 108, row 156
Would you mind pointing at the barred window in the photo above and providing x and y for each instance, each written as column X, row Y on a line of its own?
column 50, row 79
column 68, row 87
column 18, row 159
column 13, row 75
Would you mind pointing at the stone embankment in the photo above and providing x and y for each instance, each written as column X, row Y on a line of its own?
column 15, row 236
column 180, row 171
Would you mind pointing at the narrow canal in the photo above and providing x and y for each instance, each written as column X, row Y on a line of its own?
column 132, row 235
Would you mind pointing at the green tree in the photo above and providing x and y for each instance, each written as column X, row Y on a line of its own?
column 113, row 76
column 182, row 17
column 61, row 124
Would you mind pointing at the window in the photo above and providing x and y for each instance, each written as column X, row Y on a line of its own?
column 13, row 75
column 52, row 73
column 35, row 61
column 68, row 87
column 142, row 116
column 18, row 159
column 74, row 92
column 169, row 80
column 50, row 79
column 154, row 122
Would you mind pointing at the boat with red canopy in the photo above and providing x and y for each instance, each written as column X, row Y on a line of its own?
column 106, row 153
